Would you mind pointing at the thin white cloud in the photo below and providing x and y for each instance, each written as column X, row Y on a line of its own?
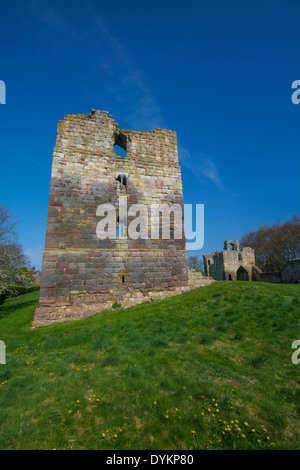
column 202, row 166
column 45, row 14
column 103, row 54
column 124, row 80
column 130, row 86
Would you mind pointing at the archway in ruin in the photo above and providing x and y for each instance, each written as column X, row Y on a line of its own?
column 242, row 274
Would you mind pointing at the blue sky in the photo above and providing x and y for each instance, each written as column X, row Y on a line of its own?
column 218, row 73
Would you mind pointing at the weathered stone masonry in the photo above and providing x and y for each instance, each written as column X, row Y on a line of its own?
column 230, row 264
column 81, row 274
column 236, row 264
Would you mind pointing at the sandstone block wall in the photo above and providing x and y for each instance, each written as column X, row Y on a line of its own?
column 230, row 264
column 290, row 273
column 81, row 274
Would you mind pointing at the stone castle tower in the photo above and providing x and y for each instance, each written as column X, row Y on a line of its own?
column 82, row 274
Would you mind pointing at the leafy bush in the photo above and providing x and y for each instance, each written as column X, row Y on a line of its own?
column 14, row 291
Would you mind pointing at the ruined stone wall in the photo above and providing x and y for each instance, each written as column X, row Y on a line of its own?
column 239, row 264
column 291, row 271
column 230, row 264
column 214, row 265
column 81, row 274
column 270, row 277
column 235, row 260
column 197, row 279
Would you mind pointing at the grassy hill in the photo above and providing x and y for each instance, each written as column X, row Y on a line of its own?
column 208, row 369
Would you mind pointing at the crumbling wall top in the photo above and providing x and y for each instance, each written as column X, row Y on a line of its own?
column 235, row 245
column 98, row 132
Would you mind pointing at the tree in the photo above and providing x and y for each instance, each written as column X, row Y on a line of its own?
column 7, row 225
column 13, row 262
column 194, row 262
column 274, row 245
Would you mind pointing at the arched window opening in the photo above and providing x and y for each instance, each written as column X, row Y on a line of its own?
column 122, row 180
column 120, row 146
column 119, row 228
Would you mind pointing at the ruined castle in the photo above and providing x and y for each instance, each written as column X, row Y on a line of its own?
column 231, row 264
column 81, row 273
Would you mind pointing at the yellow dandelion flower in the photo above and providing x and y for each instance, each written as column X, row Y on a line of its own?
column 103, row 434
column 252, row 430
column 243, row 436
column 246, row 424
column 258, row 440
column 166, row 416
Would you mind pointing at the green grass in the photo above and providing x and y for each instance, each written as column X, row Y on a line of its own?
column 154, row 376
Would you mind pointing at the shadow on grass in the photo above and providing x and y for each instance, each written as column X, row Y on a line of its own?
column 7, row 309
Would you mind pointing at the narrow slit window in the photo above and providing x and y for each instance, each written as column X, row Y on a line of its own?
column 119, row 228
column 122, row 180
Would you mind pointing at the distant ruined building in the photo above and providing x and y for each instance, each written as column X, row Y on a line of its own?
column 233, row 264
column 290, row 273
column 82, row 274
